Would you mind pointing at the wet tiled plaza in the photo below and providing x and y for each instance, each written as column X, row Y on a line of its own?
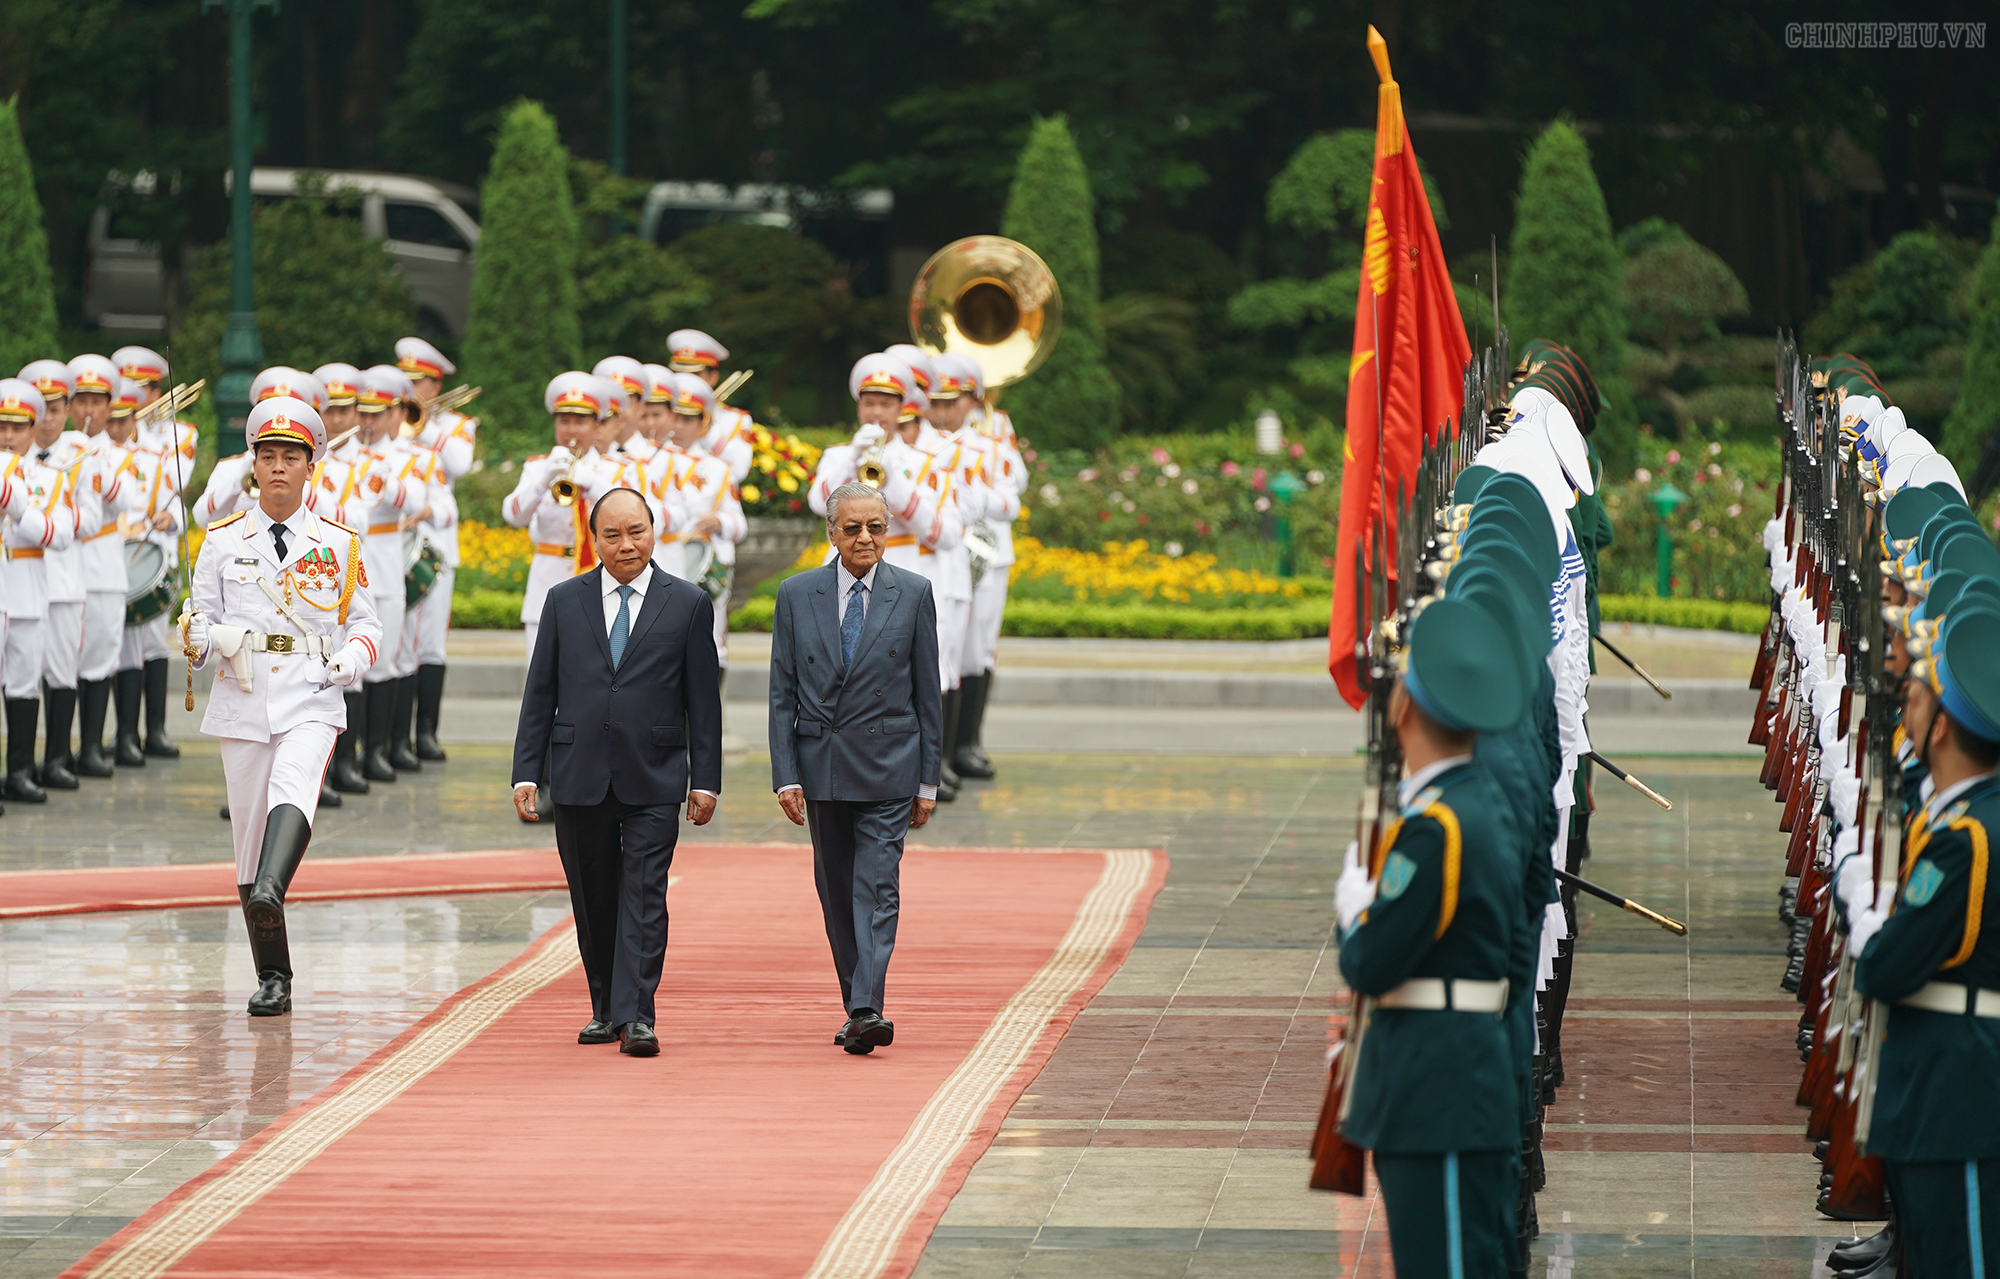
column 1166, row 1136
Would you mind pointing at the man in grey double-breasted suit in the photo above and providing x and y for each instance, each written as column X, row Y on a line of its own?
column 857, row 739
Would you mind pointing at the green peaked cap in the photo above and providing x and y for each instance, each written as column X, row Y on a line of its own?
column 1465, row 488
column 1458, row 674
column 1907, row 511
column 1483, row 583
column 1965, row 670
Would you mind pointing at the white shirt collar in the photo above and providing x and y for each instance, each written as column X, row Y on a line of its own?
column 847, row 579
column 638, row 584
column 1942, row 799
column 1422, row 777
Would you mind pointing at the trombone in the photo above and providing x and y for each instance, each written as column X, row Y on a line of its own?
column 732, row 384
column 169, row 406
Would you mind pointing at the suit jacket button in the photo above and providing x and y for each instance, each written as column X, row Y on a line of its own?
column 871, row 728
column 809, row 660
column 836, row 730
column 614, row 688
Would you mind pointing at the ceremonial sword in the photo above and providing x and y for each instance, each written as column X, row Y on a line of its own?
column 1673, row 926
column 1637, row 669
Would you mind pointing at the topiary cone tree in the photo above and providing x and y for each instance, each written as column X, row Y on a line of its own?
column 25, row 279
column 524, row 328
column 1072, row 400
column 1970, row 430
column 1565, row 270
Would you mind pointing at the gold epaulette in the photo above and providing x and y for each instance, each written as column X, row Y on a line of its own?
column 227, row 520
column 335, row 523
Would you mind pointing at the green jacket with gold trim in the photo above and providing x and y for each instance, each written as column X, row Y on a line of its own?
column 1447, row 902
column 1938, row 1095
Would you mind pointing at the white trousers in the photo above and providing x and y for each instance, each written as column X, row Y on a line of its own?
column 262, row 775
column 953, row 617
column 433, row 621
column 389, row 610
column 722, row 631
column 143, row 644
column 63, row 644
column 532, row 629
column 25, row 639
column 982, row 637
column 103, row 632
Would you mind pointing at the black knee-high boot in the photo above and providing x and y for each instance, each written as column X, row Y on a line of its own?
column 968, row 756
column 158, row 744
column 22, row 713
column 271, row 953
column 286, row 834
column 430, row 699
column 57, row 762
column 381, row 708
column 129, row 688
column 94, row 696
column 346, row 771
column 401, row 757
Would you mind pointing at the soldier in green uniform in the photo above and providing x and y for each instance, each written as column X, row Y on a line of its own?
column 1428, row 935
column 1935, row 959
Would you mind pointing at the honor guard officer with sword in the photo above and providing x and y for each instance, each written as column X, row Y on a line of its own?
column 281, row 600
column 380, row 492
column 70, row 453
column 1427, row 930
column 164, row 436
column 447, row 438
column 230, row 482
column 112, row 487
column 38, row 521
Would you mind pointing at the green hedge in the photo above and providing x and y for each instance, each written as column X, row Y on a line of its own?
column 484, row 610
column 1121, row 621
column 1701, row 615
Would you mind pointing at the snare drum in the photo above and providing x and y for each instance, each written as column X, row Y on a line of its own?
column 149, row 592
column 421, row 563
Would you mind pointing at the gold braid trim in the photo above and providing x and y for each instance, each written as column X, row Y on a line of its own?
column 1975, row 901
column 353, row 570
column 1453, row 848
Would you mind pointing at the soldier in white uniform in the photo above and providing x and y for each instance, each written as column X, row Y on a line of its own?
column 728, row 435
column 959, row 411
column 110, row 487
column 282, row 603
column 38, row 520
column 66, row 451
column 148, row 512
column 175, row 442
column 380, row 492
column 699, row 485
column 449, row 437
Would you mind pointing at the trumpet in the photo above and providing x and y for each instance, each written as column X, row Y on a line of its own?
column 250, row 484
column 870, row 470
column 566, row 490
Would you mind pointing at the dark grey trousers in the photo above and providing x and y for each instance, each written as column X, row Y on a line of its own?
column 857, row 863
column 616, row 857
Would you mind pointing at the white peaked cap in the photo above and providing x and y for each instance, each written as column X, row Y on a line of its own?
column 281, row 379
column 50, row 377
column 627, row 372
column 1543, row 416
column 19, row 401
column 1533, row 460
column 577, row 392
column 1885, row 427
column 691, row 349
column 919, row 361
column 659, row 383
column 419, row 358
column 880, row 372
column 94, row 374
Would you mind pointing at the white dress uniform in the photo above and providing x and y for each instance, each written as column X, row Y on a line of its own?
column 426, row 622
column 42, row 521
column 287, row 629
column 952, row 471
column 110, row 480
column 1006, row 476
column 382, row 486
column 711, row 487
column 450, row 438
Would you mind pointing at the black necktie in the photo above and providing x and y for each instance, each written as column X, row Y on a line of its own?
column 278, row 537
column 42, row 455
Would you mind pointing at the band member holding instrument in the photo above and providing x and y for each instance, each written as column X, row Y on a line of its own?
column 164, row 435
column 711, row 509
column 449, row 436
column 104, row 577
column 71, row 454
column 282, row 602
column 729, row 428
column 382, row 490
column 38, row 520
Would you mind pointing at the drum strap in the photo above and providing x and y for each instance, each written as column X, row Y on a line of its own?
column 153, row 494
column 353, row 570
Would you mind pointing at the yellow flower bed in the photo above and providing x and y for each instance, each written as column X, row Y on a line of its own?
column 1128, row 570
column 781, row 466
column 498, row 554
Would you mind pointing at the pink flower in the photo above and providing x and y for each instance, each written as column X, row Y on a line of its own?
column 1257, row 478
column 1161, row 457
column 1298, row 450
column 1673, row 455
column 1231, row 470
column 1087, row 474
column 1029, row 454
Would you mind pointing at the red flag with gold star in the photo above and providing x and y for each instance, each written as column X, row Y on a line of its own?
column 1404, row 378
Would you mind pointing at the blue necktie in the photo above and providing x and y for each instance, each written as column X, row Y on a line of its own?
column 850, row 625
column 621, row 626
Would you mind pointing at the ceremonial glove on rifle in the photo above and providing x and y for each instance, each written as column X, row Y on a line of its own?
column 1853, row 882
column 1353, row 892
column 347, row 665
column 1866, row 924
column 1843, row 791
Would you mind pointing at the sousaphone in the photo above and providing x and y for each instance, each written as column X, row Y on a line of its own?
column 991, row 298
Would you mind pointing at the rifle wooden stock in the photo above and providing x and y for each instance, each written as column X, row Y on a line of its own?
column 1859, row 1181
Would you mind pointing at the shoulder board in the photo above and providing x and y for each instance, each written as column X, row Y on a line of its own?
column 1423, row 799
column 332, row 524
column 227, row 520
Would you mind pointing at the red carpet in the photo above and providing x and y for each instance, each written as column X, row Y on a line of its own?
column 25, row 893
column 485, row 1141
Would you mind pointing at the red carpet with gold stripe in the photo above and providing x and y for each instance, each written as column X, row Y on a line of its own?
column 486, row 1141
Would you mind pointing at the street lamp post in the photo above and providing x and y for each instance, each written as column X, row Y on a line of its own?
column 242, row 345
column 1665, row 499
column 1285, row 486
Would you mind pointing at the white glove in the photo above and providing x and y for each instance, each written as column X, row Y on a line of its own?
column 1353, row 891
column 868, row 437
column 559, row 456
column 194, row 631
column 1853, row 878
column 1844, row 790
column 1861, row 928
column 347, row 665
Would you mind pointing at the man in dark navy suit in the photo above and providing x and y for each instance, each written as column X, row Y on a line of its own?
column 857, row 739
column 624, row 697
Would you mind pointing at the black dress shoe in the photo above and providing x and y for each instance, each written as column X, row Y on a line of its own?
column 273, row 997
column 597, row 1032
column 1859, row 1254
column 638, row 1040
column 328, row 796
column 866, row 1031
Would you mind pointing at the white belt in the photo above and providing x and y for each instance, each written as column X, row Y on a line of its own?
column 1439, row 994
column 1950, row 997
column 320, row 646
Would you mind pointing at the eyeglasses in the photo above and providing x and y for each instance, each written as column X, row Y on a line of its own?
column 876, row 529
